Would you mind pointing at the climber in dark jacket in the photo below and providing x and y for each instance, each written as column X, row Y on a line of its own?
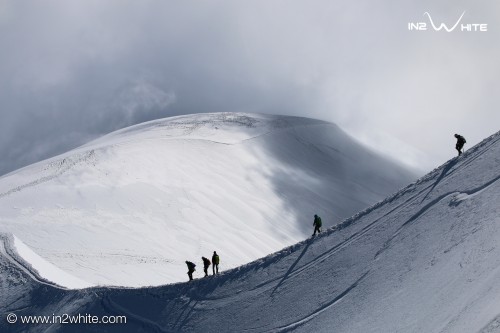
column 206, row 264
column 215, row 263
column 317, row 224
column 191, row 268
column 460, row 143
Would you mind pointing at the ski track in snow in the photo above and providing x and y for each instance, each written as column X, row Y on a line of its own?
column 113, row 308
column 321, row 309
column 461, row 196
column 431, row 204
column 64, row 166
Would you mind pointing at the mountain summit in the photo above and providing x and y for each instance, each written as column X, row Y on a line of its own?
column 129, row 208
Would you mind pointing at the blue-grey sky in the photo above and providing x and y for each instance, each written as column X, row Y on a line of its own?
column 71, row 71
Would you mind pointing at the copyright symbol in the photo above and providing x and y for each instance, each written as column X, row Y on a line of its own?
column 11, row 318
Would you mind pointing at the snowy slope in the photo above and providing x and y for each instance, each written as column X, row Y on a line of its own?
column 426, row 259
column 128, row 209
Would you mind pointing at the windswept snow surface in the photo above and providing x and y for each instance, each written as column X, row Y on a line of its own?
column 426, row 259
column 128, row 209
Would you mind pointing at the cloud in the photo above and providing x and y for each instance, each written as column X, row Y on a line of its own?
column 72, row 71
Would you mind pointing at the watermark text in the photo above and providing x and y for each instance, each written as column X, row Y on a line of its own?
column 458, row 25
column 65, row 318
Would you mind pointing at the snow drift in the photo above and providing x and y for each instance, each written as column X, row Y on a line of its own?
column 128, row 209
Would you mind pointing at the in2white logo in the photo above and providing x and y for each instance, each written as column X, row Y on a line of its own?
column 470, row 27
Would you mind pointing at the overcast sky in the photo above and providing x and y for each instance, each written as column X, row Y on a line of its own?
column 71, row 71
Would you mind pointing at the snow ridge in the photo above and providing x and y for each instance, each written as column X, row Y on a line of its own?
column 425, row 259
column 244, row 184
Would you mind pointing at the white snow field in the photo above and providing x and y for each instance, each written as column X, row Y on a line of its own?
column 131, row 207
column 426, row 259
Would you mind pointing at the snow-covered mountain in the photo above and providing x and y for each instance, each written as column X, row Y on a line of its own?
column 426, row 259
column 128, row 209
